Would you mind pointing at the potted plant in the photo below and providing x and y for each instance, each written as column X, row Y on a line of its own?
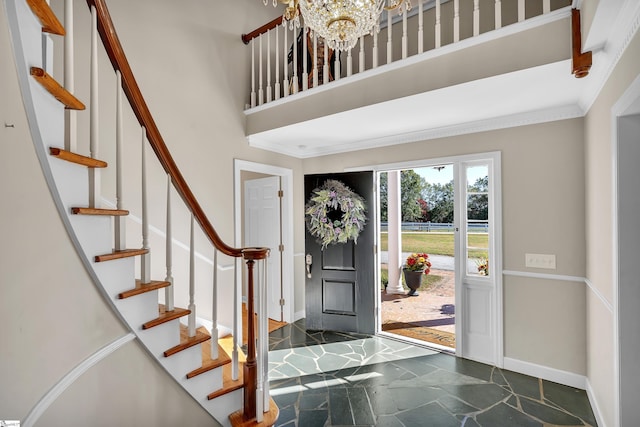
column 416, row 265
column 483, row 266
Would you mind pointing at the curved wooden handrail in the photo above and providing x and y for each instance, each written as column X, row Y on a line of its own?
column 246, row 38
column 131, row 89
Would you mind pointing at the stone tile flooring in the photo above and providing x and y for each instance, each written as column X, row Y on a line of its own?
column 338, row 379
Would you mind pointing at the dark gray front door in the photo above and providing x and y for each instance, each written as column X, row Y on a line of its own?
column 340, row 294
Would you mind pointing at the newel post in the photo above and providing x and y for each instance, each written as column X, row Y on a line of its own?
column 250, row 372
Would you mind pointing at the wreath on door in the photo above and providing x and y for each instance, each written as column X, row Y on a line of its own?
column 335, row 214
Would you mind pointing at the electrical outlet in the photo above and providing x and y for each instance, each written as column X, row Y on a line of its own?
column 540, row 261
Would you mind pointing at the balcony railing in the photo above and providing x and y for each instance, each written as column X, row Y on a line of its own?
column 280, row 69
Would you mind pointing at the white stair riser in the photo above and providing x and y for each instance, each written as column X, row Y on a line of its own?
column 139, row 309
column 206, row 383
column 223, row 406
column 160, row 338
column 115, row 276
column 95, row 235
column 182, row 362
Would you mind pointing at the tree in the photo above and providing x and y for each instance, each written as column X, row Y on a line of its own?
column 478, row 204
column 439, row 198
column 411, row 186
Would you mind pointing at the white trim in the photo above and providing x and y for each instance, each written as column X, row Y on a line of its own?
column 65, row 382
column 624, row 103
column 299, row 315
column 545, row 276
column 287, row 223
column 599, row 295
column 546, row 373
column 597, row 412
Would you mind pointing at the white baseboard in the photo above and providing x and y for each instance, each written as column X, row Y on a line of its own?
column 594, row 405
column 299, row 315
column 546, row 373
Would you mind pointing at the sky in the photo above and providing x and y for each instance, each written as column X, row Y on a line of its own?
column 444, row 175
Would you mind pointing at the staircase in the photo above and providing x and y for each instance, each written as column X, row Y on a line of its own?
column 233, row 392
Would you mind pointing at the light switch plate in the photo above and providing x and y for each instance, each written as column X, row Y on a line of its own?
column 540, row 261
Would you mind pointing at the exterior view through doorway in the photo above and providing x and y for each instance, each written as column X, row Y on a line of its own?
column 450, row 209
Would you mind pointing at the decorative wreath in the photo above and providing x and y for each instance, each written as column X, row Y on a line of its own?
column 335, row 214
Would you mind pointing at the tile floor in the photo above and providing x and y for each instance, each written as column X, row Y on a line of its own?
column 338, row 379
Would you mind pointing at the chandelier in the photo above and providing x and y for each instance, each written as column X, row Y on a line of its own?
column 340, row 22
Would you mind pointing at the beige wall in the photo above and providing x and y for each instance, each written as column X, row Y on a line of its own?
column 51, row 315
column 599, row 232
column 543, row 212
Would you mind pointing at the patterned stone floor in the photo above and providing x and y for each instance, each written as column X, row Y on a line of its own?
column 337, row 379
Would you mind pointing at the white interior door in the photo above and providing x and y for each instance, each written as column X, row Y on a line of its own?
column 478, row 228
column 262, row 227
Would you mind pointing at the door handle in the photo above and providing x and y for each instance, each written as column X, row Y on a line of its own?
column 308, row 260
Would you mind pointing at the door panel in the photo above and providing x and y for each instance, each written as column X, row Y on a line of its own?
column 340, row 294
column 262, row 229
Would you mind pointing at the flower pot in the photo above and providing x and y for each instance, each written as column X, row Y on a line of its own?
column 413, row 279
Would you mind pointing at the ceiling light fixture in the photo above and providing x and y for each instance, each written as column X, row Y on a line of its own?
column 340, row 22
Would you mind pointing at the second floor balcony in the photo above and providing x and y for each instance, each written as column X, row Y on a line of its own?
column 442, row 68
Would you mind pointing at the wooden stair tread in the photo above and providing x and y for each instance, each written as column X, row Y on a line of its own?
column 55, row 89
column 96, row 211
column 120, row 254
column 269, row 418
column 76, row 158
column 48, row 19
column 166, row 316
column 141, row 288
column 207, row 362
column 228, row 384
column 186, row 341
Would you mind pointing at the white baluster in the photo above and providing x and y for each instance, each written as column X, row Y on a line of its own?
column 498, row 9
column 265, row 336
column 325, row 65
column 253, row 73
column 145, row 260
column 438, row 25
column 259, row 340
column 456, row 21
column 120, row 240
column 404, row 31
column 361, row 55
column 285, row 61
column 168, row 291
column 336, row 70
column 214, row 307
column 260, row 83
column 521, row 10
column 374, row 53
column 192, row 281
column 94, row 173
column 269, row 93
column 70, row 116
column 277, row 85
column 546, row 6
column 476, row 17
column 349, row 63
column 315, row 59
column 235, row 369
column 420, row 27
column 305, row 73
column 295, row 62
column 389, row 38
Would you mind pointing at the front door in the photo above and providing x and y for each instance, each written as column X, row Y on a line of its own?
column 340, row 279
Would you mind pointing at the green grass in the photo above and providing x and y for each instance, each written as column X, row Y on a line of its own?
column 427, row 281
column 439, row 243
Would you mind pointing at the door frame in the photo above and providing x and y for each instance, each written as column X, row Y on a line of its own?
column 286, row 183
column 495, row 157
column 628, row 104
